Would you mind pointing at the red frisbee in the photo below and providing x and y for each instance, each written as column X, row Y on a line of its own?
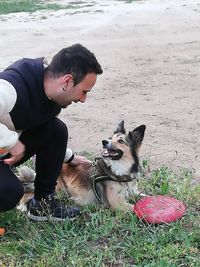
column 159, row 209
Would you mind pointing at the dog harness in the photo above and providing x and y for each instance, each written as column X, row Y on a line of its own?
column 104, row 173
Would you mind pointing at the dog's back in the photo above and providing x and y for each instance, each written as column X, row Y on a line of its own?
column 76, row 180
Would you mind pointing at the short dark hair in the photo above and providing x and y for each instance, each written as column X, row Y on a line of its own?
column 76, row 60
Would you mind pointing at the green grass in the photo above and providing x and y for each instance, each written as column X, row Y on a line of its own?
column 25, row 6
column 11, row 6
column 102, row 237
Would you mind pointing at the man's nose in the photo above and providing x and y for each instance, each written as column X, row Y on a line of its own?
column 82, row 99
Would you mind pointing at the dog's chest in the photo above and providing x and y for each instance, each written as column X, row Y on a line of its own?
column 120, row 168
column 124, row 189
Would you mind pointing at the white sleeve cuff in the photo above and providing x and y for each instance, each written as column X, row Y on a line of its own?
column 69, row 155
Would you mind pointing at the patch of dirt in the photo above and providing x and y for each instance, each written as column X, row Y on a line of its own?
column 150, row 54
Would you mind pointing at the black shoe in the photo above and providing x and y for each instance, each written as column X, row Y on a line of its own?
column 50, row 208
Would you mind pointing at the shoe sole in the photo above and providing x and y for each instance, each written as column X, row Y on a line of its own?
column 48, row 218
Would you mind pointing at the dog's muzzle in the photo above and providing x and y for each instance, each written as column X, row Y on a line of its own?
column 106, row 143
column 110, row 151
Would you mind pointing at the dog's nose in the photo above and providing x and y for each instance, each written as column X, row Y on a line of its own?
column 105, row 142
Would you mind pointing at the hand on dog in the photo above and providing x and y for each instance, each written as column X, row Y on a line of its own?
column 17, row 153
column 80, row 160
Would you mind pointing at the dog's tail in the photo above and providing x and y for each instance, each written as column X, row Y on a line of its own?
column 26, row 174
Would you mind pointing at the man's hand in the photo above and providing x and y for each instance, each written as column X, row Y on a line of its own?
column 80, row 160
column 17, row 153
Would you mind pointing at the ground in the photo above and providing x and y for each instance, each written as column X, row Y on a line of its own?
column 150, row 54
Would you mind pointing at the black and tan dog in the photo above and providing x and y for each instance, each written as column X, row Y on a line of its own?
column 110, row 180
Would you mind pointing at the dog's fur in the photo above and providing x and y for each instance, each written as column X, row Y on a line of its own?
column 118, row 169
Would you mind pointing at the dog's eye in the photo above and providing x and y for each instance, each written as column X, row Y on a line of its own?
column 121, row 141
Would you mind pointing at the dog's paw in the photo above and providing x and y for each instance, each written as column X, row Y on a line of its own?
column 143, row 195
column 22, row 207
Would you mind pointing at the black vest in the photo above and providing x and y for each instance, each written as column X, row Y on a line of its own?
column 32, row 107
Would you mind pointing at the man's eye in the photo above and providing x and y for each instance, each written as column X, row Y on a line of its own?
column 121, row 141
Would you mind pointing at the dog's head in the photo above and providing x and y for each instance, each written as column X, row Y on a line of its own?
column 121, row 150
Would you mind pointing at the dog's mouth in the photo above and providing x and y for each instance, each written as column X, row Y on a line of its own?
column 114, row 154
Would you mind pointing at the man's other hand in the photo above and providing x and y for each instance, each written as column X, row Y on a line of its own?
column 80, row 160
column 16, row 152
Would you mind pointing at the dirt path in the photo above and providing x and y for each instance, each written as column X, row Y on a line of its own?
column 150, row 52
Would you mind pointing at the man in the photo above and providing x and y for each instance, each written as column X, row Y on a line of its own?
column 31, row 96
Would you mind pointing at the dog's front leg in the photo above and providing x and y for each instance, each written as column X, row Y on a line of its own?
column 115, row 194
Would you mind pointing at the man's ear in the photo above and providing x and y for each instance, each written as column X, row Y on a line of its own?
column 67, row 80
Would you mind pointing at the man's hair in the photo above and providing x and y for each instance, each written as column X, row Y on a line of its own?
column 76, row 60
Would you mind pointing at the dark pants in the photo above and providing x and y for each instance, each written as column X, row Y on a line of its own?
column 48, row 142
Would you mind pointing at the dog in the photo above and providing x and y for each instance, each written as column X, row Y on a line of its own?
column 109, row 181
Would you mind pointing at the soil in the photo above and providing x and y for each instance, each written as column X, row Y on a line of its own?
column 150, row 53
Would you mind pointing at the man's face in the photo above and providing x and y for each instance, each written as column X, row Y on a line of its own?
column 77, row 93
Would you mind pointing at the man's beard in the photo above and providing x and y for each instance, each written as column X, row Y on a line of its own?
column 66, row 105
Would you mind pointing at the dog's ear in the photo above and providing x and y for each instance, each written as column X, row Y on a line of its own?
column 136, row 136
column 120, row 128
